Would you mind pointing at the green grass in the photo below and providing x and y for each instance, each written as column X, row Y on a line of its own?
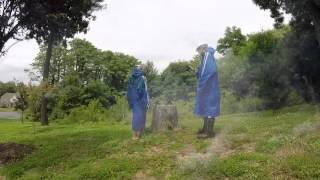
column 282, row 144
column 6, row 109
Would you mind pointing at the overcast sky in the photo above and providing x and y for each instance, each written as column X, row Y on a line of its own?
column 158, row 30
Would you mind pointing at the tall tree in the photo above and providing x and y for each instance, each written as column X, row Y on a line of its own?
column 178, row 81
column 303, row 41
column 10, row 22
column 52, row 21
column 233, row 40
column 149, row 71
column 306, row 13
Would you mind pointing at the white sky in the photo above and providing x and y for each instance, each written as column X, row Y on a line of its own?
column 158, row 30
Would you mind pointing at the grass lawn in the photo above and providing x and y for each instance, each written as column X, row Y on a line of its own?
column 282, row 144
column 6, row 110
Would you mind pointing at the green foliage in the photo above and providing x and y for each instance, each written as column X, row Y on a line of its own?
column 149, row 70
column 82, row 62
column 10, row 22
column 99, row 91
column 93, row 112
column 118, row 68
column 80, row 73
column 303, row 42
column 153, row 79
column 57, row 63
column 119, row 111
column 34, row 102
column 233, row 40
column 58, row 20
column 260, row 76
column 178, row 81
column 9, row 87
column 22, row 93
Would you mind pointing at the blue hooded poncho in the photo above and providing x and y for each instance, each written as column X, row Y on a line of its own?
column 208, row 93
column 138, row 99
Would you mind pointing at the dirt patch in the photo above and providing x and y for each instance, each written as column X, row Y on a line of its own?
column 249, row 147
column 2, row 178
column 217, row 148
column 187, row 150
column 290, row 150
column 12, row 152
column 306, row 128
column 143, row 176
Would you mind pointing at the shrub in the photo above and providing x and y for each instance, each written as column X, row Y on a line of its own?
column 93, row 112
column 119, row 111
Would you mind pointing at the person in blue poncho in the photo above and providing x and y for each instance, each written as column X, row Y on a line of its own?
column 138, row 100
column 207, row 103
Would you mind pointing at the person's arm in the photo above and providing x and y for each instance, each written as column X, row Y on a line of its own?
column 146, row 91
column 205, row 59
column 129, row 96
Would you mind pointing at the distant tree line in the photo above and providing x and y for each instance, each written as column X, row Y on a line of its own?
column 7, row 87
column 80, row 73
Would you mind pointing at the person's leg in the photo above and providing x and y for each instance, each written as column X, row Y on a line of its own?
column 134, row 137
column 138, row 134
column 203, row 130
column 210, row 127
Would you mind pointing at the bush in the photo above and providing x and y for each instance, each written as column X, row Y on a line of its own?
column 251, row 104
column 96, row 112
column 34, row 102
column 231, row 104
column 93, row 112
column 119, row 111
column 294, row 98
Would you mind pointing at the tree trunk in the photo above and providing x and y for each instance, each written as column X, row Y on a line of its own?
column 164, row 117
column 317, row 31
column 315, row 9
column 46, row 67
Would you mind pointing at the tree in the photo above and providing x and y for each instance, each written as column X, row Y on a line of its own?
column 306, row 13
column 53, row 21
column 8, row 87
column 178, row 81
column 80, row 73
column 21, row 104
column 233, row 40
column 153, row 78
column 117, row 69
column 11, row 22
column 303, row 43
column 149, row 71
column 57, row 63
column 84, row 58
column 262, row 71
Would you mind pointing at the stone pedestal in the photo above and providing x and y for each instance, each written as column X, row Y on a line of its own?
column 165, row 117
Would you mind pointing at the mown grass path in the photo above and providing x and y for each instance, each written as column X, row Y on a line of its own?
column 284, row 144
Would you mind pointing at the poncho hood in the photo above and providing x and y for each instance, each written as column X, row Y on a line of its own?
column 137, row 73
column 211, row 50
